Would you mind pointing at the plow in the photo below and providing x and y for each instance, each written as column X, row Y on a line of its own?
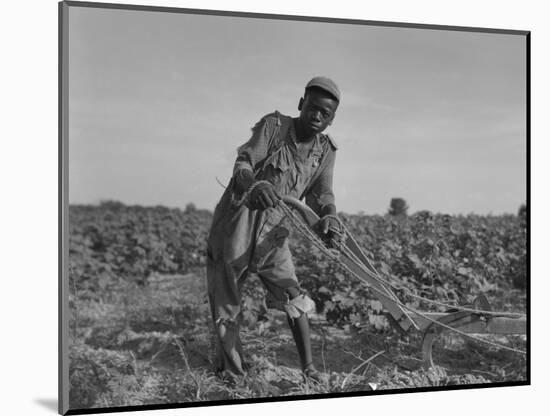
column 465, row 320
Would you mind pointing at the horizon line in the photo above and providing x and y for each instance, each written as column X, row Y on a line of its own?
column 360, row 212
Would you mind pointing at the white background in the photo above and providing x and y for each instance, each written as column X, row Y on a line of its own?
column 29, row 211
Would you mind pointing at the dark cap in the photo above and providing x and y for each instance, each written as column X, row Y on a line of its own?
column 325, row 84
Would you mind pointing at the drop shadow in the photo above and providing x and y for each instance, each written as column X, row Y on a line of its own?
column 50, row 404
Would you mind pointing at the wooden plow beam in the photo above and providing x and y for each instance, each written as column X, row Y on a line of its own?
column 431, row 324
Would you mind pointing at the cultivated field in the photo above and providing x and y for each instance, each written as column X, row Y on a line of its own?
column 140, row 327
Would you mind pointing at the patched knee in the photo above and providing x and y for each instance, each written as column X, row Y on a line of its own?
column 299, row 305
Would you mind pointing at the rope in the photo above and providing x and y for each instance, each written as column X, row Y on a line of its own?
column 220, row 183
column 306, row 231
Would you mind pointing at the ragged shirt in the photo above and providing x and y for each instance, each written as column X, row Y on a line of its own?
column 276, row 159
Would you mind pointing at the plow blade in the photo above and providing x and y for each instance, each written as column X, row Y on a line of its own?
column 466, row 322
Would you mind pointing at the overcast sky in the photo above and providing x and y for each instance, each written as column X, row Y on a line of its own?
column 159, row 102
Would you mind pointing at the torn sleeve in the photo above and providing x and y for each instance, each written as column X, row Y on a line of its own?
column 254, row 151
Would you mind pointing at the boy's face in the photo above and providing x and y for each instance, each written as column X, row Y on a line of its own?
column 317, row 110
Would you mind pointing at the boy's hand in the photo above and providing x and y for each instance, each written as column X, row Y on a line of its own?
column 263, row 196
column 325, row 226
column 326, row 223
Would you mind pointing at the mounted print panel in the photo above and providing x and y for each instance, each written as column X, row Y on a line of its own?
column 266, row 208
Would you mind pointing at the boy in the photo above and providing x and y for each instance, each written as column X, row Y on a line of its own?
column 284, row 156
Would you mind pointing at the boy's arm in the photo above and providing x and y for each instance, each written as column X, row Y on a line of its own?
column 254, row 151
column 321, row 200
column 321, row 197
column 249, row 157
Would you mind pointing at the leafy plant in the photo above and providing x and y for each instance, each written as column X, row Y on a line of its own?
column 141, row 331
